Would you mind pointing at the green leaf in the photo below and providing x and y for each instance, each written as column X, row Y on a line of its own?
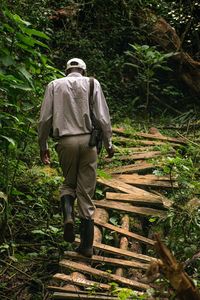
column 27, row 75
column 15, row 17
column 7, row 60
column 37, row 231
column 36, row 33
column 10, row 140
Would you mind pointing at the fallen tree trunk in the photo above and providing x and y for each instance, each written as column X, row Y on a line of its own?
column 187, row 69
column 173, row 271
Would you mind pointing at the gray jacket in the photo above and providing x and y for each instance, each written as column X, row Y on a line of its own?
column 65, row 109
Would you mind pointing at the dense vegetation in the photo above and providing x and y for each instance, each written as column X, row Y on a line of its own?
column 113, row 38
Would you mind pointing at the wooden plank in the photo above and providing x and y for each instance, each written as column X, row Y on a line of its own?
column 132, row 198
column 129, row 189
column 150, row 181
column 132, row 168
column 114, row 205
column 120, row 252
column 78, row 296
column 89, row 270
column 109, row 260
column 124, row 187
column 147, row 176
column 161, row 137
column 157, row 135
column 138, row 156
column 81, row 281
column 126, row 233
column 134, row 149
column 63, row 289
column 133, row 142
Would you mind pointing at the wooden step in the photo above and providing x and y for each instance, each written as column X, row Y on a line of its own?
column 136, row 199
column 147, row 180
column 132, row 168
column 126, row 233
column 125, row 207
column 130, row 142
column 119, row 252
column 161, row 137
column 79, row 296
column 109, row 260
column 138, row 156
column 124, row 187
column 81, row 281
column 129, row 189
column 102, row 274
column 157, row 136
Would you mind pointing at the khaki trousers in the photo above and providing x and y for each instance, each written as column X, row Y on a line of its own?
column 78, row 162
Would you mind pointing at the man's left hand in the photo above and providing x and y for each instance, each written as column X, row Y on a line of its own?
column 45, row 156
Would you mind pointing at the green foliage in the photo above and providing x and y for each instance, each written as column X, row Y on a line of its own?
column 146, row 62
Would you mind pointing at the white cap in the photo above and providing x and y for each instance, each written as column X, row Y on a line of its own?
column 76, row 63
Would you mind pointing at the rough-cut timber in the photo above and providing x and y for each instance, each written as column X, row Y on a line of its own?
column 132, row 142
column 134, row 198
column 124, row 281
column 125, row 207
column 79, row 296
column 139, row 156
column 120, row 252
column 150, row 181
column 109, row 260
column 132, row 168
column 81, row 281
column 126, row 233
column 161, row 137
column 157, row 136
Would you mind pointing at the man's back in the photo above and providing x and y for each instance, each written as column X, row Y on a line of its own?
column 70, row 105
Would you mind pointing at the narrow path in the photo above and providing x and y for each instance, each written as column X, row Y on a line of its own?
column 136, row 193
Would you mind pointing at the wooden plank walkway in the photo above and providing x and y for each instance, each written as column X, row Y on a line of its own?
column 127, row 192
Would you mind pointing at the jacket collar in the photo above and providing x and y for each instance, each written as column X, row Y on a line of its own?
column 74, row 74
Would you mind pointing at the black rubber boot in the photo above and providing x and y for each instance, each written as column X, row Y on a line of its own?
column 67, row 205
column 87, row 236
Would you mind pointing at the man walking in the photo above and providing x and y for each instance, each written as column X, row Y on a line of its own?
column 66, row 113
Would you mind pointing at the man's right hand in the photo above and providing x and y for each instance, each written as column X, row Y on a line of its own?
column 110, row 152
column 45, row 156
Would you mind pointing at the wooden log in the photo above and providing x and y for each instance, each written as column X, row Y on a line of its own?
column 125, row 207
column 86, row 269
column 81, row 281
column 120, row 252
column 123, row 241
column 127, row 233
column 109, row 260
column 102, row 216
column 134, row 198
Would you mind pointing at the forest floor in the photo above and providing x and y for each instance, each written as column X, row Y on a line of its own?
column 148, row 172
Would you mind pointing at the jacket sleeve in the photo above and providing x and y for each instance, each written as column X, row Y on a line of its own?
column 101, row 113
column 46, row 117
